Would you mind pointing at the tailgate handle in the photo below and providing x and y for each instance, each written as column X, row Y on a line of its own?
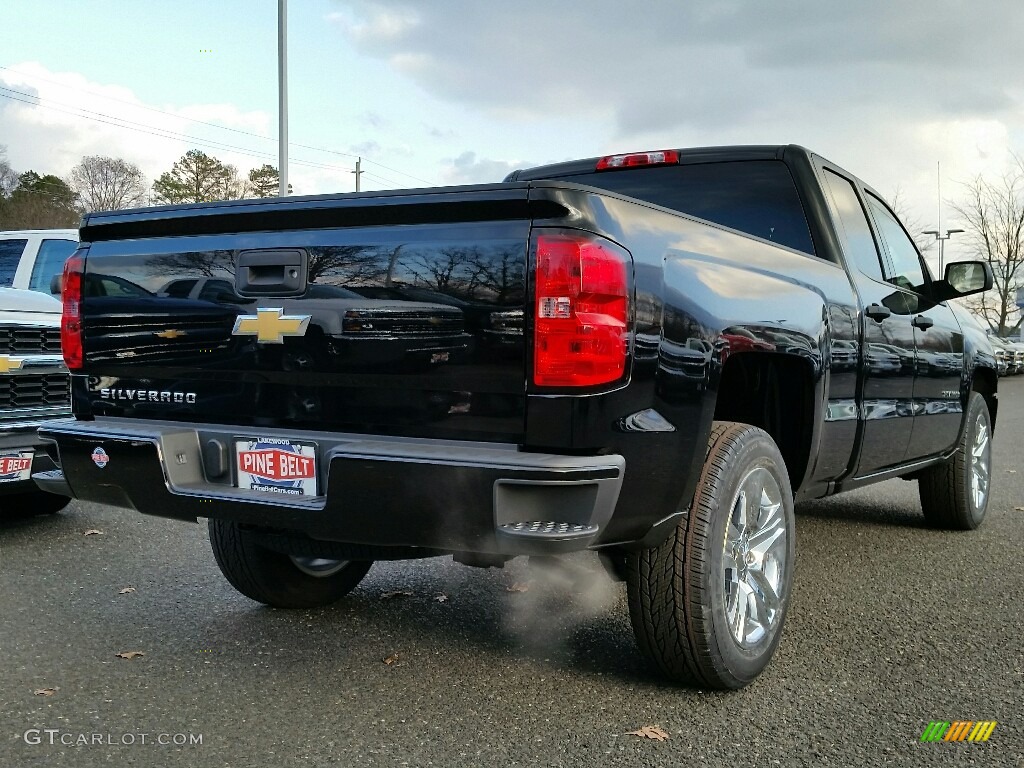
column 273, row 272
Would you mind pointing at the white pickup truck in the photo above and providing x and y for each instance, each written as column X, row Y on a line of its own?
column 33, row 378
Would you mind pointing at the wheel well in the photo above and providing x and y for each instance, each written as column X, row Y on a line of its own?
column 984, row 383
column 773, row 392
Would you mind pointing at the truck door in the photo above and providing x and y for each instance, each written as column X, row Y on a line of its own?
column 938, row 339
column 886, row 355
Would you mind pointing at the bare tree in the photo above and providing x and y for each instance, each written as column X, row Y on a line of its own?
column 107, row 183
column 233, row 186
column 8, row 178
column 911, row 221
column 993, row 215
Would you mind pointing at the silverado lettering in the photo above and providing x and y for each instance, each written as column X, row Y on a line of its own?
column 651, row 356
column 152, row 396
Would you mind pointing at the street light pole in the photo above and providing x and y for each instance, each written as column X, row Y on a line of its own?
column 282, row 97
column 942, row 238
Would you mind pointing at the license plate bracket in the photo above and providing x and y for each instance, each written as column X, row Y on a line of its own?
column 276, row 465
column 15, row 466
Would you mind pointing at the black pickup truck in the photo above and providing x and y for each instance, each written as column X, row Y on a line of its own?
column 648, row 355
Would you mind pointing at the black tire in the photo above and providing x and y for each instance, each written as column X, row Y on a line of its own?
column 276, row 579
column 954, row 495
column 679, row 591
column 32, row 503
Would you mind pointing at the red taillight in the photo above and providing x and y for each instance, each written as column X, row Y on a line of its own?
column 582, row 311
column 71, row 317
column 663, row 157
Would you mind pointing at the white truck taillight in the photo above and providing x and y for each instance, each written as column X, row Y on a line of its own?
column 71, row 316
column 581, row 321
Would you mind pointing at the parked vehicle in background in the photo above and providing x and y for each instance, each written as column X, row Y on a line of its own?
column 31, row 258
column 1014, row 350
column 33, row 379
column 33, row 389
column 648, row 355
column 1009, row 355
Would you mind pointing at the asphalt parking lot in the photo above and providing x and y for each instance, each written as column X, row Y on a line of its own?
column 892, row 626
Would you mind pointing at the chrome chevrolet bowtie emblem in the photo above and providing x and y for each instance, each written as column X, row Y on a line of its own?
column 270, row 325
column 8, row 364
column 170, row 333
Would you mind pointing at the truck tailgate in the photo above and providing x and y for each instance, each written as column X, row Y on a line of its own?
column 327, row 318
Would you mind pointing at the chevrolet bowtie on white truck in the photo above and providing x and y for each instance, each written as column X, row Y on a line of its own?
column 647, row 355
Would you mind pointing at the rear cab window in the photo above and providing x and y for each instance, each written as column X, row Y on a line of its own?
column 757, row 197
column 10, row 255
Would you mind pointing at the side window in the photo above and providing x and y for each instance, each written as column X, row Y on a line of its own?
column 178, row 289
column 10, row 254
column 49, row 262
column 905, row 269
column 858, row 242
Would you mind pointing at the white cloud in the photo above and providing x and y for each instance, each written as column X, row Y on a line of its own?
column 468, row 169
column 65, row 117
column 886, row 89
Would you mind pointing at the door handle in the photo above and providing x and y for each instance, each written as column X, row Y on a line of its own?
column 923, row 322
column 878, row 312
column 271, row 272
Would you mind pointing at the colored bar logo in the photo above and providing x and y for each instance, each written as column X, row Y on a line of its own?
column 959, row 730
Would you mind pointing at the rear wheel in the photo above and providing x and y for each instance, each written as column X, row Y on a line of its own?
column 277, row 579
column 707, row 605
column 955, row 495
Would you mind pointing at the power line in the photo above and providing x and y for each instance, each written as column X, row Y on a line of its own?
column 212, row 125
column 163, row 133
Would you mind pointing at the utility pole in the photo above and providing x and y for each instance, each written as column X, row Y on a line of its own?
column 358, row 171
column 941, row 238
column 282, row 97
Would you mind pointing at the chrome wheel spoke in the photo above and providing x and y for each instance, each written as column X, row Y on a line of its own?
column 738, row 519
column 731, row 566
column 762, row 542
column 738, row 618
column 767, row 598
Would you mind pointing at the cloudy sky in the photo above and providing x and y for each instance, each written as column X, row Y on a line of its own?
column 462, row 91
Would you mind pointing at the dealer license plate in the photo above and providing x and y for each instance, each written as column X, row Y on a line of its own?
column 15, row 467
column 276, row 465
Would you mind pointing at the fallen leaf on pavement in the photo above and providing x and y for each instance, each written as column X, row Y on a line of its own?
column 46, row 691
column 129, row 654
column 126, row 590
column 1019, row 509
column 442, row 598
column 518, row 587
column 1012, row 471
column 93, row 532
column 399, row 593
column 389, row 660
column 650, row 732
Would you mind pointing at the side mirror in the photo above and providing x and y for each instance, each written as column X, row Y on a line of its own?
column 964, row 278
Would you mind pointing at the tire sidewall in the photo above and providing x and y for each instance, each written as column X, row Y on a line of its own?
column 743, row 665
